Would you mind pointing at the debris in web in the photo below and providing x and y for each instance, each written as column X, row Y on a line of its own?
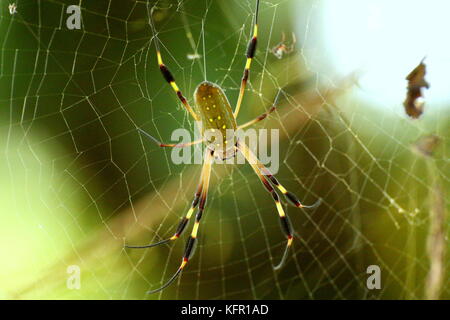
column 414, row 100
column 193, row 56
column 426, row 145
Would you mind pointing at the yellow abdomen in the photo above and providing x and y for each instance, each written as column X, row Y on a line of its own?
column 216, row 115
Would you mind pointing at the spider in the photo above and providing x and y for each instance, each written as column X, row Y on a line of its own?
column 12, row 8
column 215, row 113
column 284, row 48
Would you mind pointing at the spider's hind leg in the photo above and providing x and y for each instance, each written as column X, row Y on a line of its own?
column 181, row 226
column 185, row 220
column 264, row 174
column 290, row 197
column 192, row 241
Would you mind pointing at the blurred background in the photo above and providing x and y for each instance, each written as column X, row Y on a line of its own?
column 79, row 182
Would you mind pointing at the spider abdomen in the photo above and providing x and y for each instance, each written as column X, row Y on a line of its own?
column 217, row 118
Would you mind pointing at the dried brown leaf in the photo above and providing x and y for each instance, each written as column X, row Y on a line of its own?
column 416, row 81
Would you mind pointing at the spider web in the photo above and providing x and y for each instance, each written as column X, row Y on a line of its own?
column 80, row 182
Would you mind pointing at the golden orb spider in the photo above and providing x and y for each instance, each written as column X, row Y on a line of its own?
column 215, row 114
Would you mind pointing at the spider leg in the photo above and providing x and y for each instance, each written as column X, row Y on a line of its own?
column 167, row 74
column 294, row 41
column 290, row 197
column 257, row 119
column 192, row 241
column 262, row 116
column 250, row 54
column 184, row 221
column 181, row 226
column 262, row 173
column 284, row 219
column 170, row 145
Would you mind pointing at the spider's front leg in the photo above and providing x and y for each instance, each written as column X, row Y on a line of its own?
column 190, row 245
column 251, row 49
column 167, row 75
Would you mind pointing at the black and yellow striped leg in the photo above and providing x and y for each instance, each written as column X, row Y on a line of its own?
column 264, row 174
column 168, row 75
column 170, row 145
column 290, row 197
column 185, row 220
column 251, row 49
column 181, row 226
column 192, row 241
column 284, row 219
column 286, row 226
